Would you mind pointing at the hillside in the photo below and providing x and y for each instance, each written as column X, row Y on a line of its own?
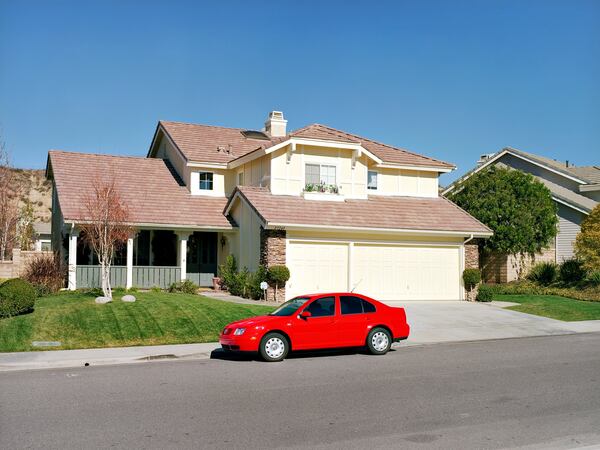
column 38, row 190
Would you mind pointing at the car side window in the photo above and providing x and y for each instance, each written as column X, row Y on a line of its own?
column 368, row 307
column 322, row 307
column 351, row 304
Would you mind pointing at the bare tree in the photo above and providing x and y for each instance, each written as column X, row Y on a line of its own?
column 9, row 203
column 106, row 227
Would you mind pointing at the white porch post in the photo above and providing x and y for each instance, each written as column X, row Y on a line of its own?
column 129, row 279
column 73, row 259
column 182, row 238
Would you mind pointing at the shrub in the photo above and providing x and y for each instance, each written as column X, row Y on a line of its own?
column 594, row 278
column 544, row 273
column 278, row 275
column 17, row 296
column 471, row 278
column 184, row 287
column 228, row 272
column 485, row 293
column 47, row 273
column 253, row 283
column 238, row 283
column 572, row 271
column 155, row 289
column 587, row 242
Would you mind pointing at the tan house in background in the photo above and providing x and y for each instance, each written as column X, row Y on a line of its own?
column 341, row 211
column 574, row 189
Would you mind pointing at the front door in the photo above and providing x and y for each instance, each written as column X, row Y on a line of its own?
column 316, row 331
column 202, row 253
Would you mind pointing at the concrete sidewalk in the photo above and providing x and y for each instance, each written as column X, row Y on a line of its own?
column 103, row 356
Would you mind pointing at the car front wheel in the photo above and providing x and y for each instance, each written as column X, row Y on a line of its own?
column 379, row 341
column 274, row 347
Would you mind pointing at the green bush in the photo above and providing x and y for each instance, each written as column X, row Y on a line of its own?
column 228, row 273
column 184, row 287
column 485, row 293
column 277, row 276
column 238, row 284
column 594, row 278
column 17, row 296
column 253, row 283
column 544, row 273
column 155, row 289
column 471, row 278
column 572, row 271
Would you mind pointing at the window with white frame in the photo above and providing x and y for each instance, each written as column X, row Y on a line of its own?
column 372, row 180
column 206, row 181
column 320, row 174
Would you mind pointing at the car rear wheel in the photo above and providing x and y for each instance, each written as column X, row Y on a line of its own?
column 274, row 347
column 379, row 341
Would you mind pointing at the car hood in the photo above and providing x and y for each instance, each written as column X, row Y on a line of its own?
column 254, row 321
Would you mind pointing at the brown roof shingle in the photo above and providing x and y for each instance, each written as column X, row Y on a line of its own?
column 402, row 213
column 149, row 189
column 201, row 143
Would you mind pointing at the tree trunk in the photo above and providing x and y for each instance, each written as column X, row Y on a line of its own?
column 105, row 271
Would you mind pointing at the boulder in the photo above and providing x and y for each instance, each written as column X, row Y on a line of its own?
column 128, row 298
column 102, row 300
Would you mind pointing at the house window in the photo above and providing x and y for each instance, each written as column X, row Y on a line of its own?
column 206, row 181
column 372, row 180
column 241, row 179
column 320, row 173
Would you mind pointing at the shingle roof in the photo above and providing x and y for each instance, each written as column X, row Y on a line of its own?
column 402, row 213
column 149, row 189
column 582, row 172
column 568, row 195
column 590, row 173
column 201, row 143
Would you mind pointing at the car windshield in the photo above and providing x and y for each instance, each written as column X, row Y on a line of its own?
column 290, row 307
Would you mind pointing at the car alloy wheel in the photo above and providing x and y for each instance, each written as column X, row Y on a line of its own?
column 274, row 347
column 379, row 341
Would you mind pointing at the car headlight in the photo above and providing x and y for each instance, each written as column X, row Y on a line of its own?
column 239, row 331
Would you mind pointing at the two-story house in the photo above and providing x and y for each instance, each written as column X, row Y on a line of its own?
column 341, row 211
column 574, row 189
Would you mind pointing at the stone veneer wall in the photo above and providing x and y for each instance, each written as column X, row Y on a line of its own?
column 272, row 252
column 471, row 262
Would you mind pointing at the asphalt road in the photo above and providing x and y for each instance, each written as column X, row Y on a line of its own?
column 529, row 392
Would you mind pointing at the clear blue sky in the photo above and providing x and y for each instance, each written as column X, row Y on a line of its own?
column 449, row 79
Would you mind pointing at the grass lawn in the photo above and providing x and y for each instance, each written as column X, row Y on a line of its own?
column 155, row 318
column 552, row 306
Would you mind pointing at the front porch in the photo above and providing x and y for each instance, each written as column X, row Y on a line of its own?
column 151, row 258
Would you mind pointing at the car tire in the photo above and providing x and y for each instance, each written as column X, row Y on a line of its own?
column 379, row 341
column 274, row 347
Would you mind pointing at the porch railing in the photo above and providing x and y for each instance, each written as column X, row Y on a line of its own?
column 143, row 276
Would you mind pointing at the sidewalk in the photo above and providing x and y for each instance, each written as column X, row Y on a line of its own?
column 102, row 356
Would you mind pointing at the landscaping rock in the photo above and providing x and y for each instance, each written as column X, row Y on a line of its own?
column 128, row 298
column 103, row 300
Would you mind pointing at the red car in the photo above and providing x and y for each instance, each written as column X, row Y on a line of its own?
column 318, row 321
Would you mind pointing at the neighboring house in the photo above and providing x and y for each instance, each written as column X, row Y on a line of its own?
column 576, row 191
column 341, row 211
column 42, row 236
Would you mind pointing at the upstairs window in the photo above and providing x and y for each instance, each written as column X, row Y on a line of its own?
column 372, row 180
column 206, row 181
column 320, row 174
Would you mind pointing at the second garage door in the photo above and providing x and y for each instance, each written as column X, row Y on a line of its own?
column 382, row 271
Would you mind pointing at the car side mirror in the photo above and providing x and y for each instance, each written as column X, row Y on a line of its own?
column 305, row 314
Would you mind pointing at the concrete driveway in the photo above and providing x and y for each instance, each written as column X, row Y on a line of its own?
column 447, row 321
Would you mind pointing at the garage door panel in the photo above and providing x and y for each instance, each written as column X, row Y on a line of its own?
column 317, row 267
column 406, row 273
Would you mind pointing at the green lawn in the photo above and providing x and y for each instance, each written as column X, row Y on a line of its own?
column 155, row 318
column 552, row 306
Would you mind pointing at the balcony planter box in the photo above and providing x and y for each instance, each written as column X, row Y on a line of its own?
column 325, row 196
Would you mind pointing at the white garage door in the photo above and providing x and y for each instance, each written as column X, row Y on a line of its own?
column 407, row 272
column 384, row 272
column 316, row 267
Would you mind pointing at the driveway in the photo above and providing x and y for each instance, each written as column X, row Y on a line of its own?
column 468, row 321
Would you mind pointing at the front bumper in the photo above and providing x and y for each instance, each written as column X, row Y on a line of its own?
column 243, row 343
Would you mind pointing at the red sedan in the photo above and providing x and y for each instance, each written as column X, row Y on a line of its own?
column 318, row 321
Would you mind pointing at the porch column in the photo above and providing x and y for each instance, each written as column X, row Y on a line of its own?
column 72, row 281
column 182, row 238
column 129, row 278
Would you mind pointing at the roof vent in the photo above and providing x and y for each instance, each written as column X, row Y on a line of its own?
column 276, row 125
column 253, row 134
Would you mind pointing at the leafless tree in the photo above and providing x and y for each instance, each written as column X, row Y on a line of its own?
column 9, row 203
column 106, row 227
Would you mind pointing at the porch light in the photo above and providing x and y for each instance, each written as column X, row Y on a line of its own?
column 223, row 242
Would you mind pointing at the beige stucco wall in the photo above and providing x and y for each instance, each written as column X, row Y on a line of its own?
column 245, row 245
column 416, row 183
column 255, row 173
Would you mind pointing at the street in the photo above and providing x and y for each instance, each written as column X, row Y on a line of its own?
column 528, row 392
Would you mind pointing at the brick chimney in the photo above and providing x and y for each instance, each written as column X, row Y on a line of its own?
column 276, row 125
